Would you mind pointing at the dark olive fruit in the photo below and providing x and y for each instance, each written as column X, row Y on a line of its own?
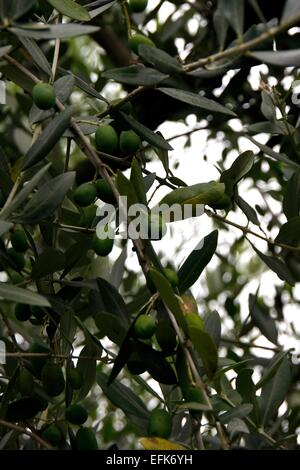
column 19, row 241
column 86, row 439
column 172, row 277
column 166, row 336
column 138, row 39
column 106, row 139
column 223, row 203
column 160, row 424
column 43, row 403
column 75, row 379
column 104, row 192
column 53, row 379
column 135, row 365
column 130, row 142
column 22, row 312
column 76, row 414
column 38, row 362
column 43, row 96
column 25, row 382
column 138, row 6
column 145, row 326
column 153, row 226
column 85, row 194
column 53, row 434
column 17, row 258
column 2, row 198
column 37, row 312
column 102, row 247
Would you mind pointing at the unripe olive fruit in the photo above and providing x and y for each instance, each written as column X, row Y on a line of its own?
column 166, row 336
column 102, row 247
column 76, row 414
column 160, row 424
column 104, row 192
column 25, row 382
column 85, row 194
column 172, row 277
column 75, row 379
column 138, row 6
column 86, row 439
column 19, row 241
column 22, row 312
column 53, row 379
column 106, row 139
column 53, row 434
column 129, row 142
column 17, row 258
column 43, row 95
column 138, row 39
column 145, row 326
column 38, row 362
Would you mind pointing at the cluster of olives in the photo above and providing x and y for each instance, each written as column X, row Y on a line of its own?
column 51, row 377
column 107, row 140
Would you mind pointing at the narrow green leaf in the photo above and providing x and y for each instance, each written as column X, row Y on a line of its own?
column 4, row 227
column 147, row 134
column 37, row 54
column 240, row 167
column 197, row 261
column 48, row 139
column 135, row 75
column 291, row 197
column 234, row 11
column 48, row 198
column 137, row 180
column 160, row 59
column 71, row 9
column 240, row 411
column 48, row 262
column 14, row 9
column 276, row 265
column 280, row 157
column 166, row 292
column 26, row 190
column 196, row 100
column 262, row 320
column 289, row 232
column 205, row 347
column 123, row 397
column 23, row 296
column 287, row 58
column 275, row 391
column 66, row 30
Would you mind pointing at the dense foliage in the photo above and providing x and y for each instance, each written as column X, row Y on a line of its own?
column 99, row 354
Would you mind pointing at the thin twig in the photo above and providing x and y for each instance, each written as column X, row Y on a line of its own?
column 31, row 434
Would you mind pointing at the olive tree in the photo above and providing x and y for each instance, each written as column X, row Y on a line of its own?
column 94, row 353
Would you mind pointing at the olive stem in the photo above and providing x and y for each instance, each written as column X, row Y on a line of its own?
column 31, row 434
